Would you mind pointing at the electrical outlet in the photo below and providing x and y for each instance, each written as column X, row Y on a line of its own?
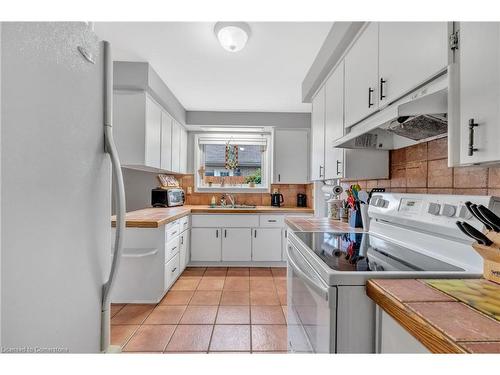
column 189, row 190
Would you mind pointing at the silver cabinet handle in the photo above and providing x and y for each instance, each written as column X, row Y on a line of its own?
column 255, row 233
column 322, row 291
column 182, row 240
column 370, row 92
column 279, row 177
column 216, row 233
column 338, row 164
column 174, row 269
column 225, row 233
column 174, row 248
column 320, row 169
column 271, row 221
column 472, row 125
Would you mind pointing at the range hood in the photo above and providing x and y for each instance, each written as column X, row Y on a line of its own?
column 418, row 117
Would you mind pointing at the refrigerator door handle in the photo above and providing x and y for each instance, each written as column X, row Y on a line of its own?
column 119, row 196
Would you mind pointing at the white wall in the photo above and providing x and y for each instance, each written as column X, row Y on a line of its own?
column 138, row 185
column 277, row 119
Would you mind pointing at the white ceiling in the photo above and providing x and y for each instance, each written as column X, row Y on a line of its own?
column 265, row 76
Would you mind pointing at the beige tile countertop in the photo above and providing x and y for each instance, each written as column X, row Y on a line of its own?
column 319, row 224
column 418, row 307
column 156, row 217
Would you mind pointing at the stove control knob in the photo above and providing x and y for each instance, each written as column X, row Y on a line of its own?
column 464, row 213
column 449, row 210
column 434, row 208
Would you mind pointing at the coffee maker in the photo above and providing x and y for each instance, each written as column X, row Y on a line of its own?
column 276, row 199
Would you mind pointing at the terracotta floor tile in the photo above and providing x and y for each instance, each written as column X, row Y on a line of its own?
column 199, row 315
column 216, row 271
column 206, row 298
column 150, row 338
column 269, row 338
column 230, row 338
column 116, row 307
column 120, row 333
column 186, row 283
column 265, row 298
column 260, row 271
column 235, row 298
column 190, row 338
column 280, row 285
column 262, row 284
column 233, row 315
column 194, row 271
column 285, row 312
column 177, row 297
column 132, row 314
column 211, row 283
column 237, row 283
column 165, row 315
column 267, row 315
column 283, row 299
column 278, row 271
column 238, row 271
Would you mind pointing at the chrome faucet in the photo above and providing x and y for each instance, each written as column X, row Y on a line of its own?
column 231, row 198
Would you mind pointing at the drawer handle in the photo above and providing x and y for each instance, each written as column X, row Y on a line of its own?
column 174, row 248
column 175, row 232
column 174, row 269
column 272, row 221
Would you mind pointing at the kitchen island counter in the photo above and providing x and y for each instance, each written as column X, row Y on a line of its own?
column 446, row 316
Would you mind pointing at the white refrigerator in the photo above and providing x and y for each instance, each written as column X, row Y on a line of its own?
column 55, row 187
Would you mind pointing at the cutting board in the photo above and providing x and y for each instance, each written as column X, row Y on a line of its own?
column 480, row 294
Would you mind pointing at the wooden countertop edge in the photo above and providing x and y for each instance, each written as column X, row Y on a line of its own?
column 152, row 223
column 432, row 338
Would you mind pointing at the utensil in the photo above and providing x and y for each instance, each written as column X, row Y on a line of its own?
column 474, row 211
column 363, row 196
column 490, row 216
column 473, row 233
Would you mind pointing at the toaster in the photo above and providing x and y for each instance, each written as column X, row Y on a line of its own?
column 167, row 197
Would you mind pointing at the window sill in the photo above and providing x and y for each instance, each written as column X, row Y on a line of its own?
column 229, row 189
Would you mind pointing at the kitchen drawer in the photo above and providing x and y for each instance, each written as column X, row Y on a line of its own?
column 172, row 229
column 184, row 223
column 171, row 248
column 272, row 221
column 225, row 221
column 171, row 271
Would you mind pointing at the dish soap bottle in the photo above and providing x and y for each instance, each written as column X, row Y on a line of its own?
column 213, row 201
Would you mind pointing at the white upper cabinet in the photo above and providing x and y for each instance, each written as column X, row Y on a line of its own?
column 361, row 76
column 291, row 150
column 183, row 151
column 334, row 123
column 318, row 136
column 166, row 141
column 477, row 126
column 153, row 134
column 409, row 54
column 176, row 146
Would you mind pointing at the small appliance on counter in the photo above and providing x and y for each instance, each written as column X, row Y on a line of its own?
column 167, row 197
column 277, row 199
column 301, row 200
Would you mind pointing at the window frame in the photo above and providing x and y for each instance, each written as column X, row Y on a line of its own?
column 266, row 167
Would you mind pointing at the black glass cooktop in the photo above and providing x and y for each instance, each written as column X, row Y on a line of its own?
column 363, row 252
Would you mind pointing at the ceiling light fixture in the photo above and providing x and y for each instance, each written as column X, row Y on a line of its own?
column 232, row 36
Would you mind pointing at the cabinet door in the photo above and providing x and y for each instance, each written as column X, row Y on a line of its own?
column 183, row 151
column 166, row 141
column 236, row 244
column 176, row 149
column 266, row 244
column 184, row 250
column 291, row 156
column 153, row 134
column 334, row 123
column 318, row 136
column 361, row 76
column 409, row 54
column 479, row 64
column 206, row 244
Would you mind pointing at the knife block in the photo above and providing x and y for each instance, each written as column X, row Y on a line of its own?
column 491, row 257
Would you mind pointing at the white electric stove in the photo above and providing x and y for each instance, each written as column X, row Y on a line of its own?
column 410, row 236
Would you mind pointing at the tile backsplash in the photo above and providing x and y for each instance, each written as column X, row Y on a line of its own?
column 289, row 192
column 423, row 168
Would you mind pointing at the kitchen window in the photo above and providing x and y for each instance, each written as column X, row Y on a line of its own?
column 233, row 162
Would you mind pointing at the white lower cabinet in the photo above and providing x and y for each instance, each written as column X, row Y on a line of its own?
column 172, row 271
column 266, row 244
column 236, row 244
column 206, row 244
column 184, row 250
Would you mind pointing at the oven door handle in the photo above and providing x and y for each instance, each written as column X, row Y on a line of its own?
column 322, row 291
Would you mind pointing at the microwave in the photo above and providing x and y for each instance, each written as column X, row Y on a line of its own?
column 167, row 197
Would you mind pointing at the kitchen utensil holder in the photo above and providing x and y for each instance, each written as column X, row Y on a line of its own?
column 491, row 257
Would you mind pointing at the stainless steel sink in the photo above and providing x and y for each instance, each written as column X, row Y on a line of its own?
column 235, row 207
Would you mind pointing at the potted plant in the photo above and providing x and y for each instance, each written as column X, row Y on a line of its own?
column 254, row 179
